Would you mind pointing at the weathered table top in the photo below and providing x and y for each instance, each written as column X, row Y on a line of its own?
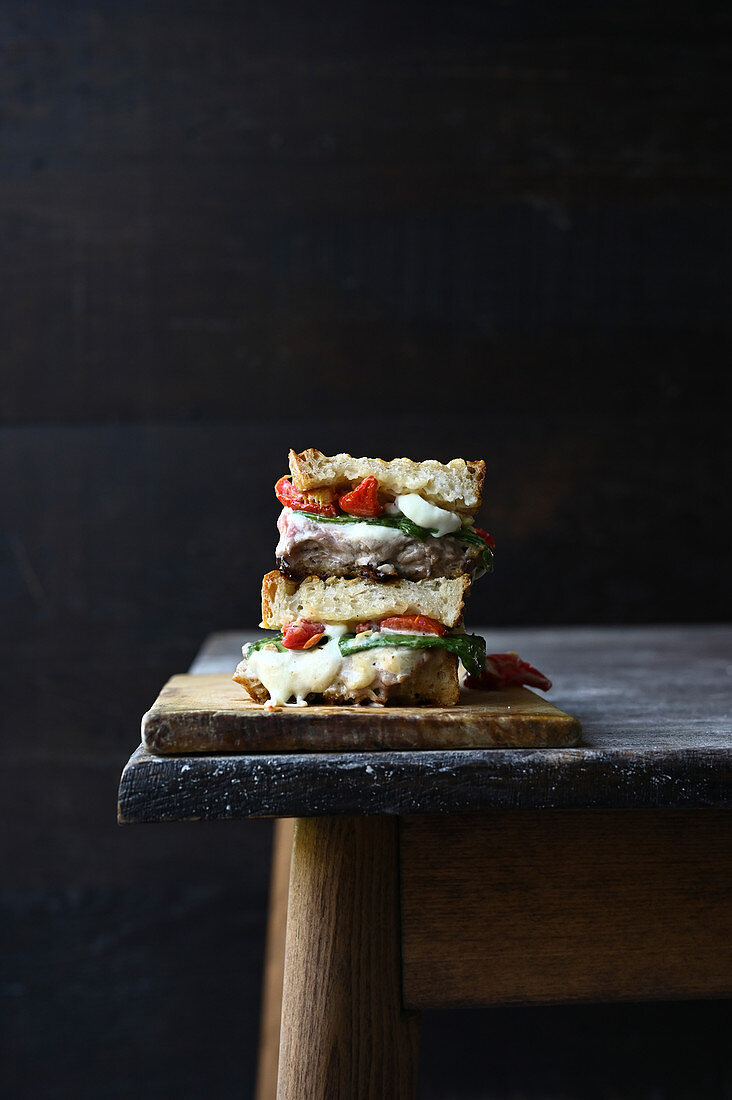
column 655, row 705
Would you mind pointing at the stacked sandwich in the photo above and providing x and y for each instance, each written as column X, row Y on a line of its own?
column 375, row 560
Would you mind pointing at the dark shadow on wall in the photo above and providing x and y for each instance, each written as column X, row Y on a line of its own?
column 495, row 230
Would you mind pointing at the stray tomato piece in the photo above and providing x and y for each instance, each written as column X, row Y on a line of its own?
column 290, row 497
column 363, row 500
column 414, row 622
column 302, row 634
column 484, row 535
column 286, row 493
column 507, row 670
column 360, row 627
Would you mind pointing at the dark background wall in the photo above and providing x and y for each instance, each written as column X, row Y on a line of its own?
column 492, row 229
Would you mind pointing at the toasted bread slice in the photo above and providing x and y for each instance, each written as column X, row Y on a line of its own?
column 422, row 677
column 337, row 600
column 456, row 485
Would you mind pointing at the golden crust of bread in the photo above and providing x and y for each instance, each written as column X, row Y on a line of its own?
column 254, row 687
column 337, row 599
column 435, row 683
column 456, row 485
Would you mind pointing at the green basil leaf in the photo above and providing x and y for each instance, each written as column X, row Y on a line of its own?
column 276, row 641
column 469, row 648
column 466, row 534
column 413, row 531
column 405, row 525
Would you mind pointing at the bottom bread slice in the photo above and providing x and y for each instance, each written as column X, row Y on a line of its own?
column 421, row 677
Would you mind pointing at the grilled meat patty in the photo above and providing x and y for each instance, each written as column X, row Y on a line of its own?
column 309, row 548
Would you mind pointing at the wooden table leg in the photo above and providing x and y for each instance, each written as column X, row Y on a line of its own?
column 274, row 961
column 345, row 1032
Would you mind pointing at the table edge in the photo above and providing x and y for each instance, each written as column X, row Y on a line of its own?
column 219, row 786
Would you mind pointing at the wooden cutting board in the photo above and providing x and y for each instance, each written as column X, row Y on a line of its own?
column 210, row 713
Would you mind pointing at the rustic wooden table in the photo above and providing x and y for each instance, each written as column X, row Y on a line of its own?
column 409, row 881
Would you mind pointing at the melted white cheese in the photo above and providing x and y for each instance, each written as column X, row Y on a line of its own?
column 411, row 505
column 362, row 669
column 416, row 633
column 414, row 507
column 298, row 671
column 369, row 534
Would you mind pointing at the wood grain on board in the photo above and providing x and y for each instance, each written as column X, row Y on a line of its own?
column 209, row 713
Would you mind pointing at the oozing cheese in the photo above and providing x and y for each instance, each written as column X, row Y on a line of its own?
column 298, row 671
column 361, row 669
column 414, row 507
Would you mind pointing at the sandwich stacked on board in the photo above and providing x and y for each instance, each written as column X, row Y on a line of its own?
column 375, row 560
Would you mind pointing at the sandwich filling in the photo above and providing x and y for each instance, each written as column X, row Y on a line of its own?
column 365, row 533
column 367, row 664
column 311, row 546
column 407, row 537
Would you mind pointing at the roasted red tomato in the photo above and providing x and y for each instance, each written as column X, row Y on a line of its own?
column 414, row 622
column 363, row 500
column 507, row 670
column 302, row 634
column 484, row 535
column 290, row 497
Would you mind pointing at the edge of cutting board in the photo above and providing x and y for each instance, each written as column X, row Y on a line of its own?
column 210, row 713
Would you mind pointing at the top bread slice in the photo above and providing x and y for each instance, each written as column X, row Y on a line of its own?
column 456, row 485
column 337, row 600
